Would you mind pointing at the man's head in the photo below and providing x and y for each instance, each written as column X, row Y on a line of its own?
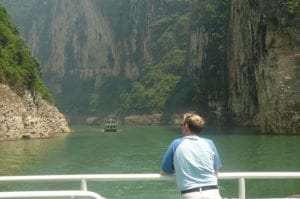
column 193, row 123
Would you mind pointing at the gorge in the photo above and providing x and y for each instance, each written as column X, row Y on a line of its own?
column 235, row 61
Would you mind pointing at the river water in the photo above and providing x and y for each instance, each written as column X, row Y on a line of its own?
column 89, row 150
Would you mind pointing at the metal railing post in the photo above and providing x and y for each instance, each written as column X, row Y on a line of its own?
column 242, row 188
column 83, row 185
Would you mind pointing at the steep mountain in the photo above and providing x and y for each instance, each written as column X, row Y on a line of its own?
column 258, row 82
column 26, row 105
column 74, row 43
column 236, row 61
column 207, row 62
column 263, row 64
column 83, row 45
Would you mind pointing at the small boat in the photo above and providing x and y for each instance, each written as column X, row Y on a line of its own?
column 110, row 125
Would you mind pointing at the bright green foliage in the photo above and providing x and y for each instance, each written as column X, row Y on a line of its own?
column 17, row 67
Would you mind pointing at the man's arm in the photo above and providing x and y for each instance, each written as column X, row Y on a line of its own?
column 167, row 167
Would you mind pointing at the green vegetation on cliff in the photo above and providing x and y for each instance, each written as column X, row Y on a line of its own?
column 18, row 68
column 156, row 88
column 165, row 84
column 150, row 39
column 211, row 18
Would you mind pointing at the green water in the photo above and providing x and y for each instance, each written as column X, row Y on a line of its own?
column 89, row 150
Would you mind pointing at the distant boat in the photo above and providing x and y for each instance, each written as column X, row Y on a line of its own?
column 110, row 125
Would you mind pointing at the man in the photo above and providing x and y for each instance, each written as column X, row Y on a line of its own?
column 195, row 161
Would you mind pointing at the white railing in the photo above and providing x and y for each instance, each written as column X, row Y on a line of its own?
column 50, row 194
column 84, row 178
column 242, row 176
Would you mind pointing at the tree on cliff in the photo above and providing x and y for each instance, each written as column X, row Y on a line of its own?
column 18, row 68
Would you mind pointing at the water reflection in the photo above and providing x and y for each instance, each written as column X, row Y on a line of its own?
column 25, row 157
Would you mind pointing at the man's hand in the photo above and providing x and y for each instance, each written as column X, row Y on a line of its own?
column 165, row 173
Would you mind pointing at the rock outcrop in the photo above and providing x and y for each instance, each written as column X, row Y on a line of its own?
column 26, row 117
column 263, row 68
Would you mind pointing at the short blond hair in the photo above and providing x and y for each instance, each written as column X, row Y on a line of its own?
column 194, row 122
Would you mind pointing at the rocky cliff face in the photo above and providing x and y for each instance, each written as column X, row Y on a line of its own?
column 207, row 56
column 85, row 40
column 80, row 42
column 72, row 39
column 24, row 117
column 263, row 67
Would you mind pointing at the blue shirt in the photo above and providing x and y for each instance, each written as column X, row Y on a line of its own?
column 194, row 160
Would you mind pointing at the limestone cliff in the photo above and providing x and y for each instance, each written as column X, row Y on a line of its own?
column 259, row 84
column 25, row 117
column 250, row 77
column 73, row 40
column 82, row 39
column 263, row 68
column 207, row 56
column 81, row 42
